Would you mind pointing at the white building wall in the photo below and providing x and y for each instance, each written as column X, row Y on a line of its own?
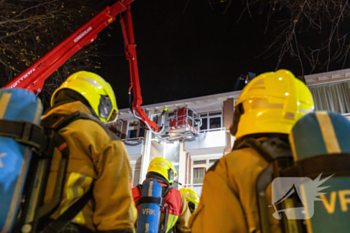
column 146, row 157
column 182, row 164
column 201, row 150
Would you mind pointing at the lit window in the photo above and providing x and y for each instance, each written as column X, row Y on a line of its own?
column 135, row 129
column 211, row 120
column 215, row 122
column 198, row 175
column 199, row 162
column 200, row 167
column 142, row 132
column 204, row 124
column 216, row 113
column 211, row 161
column 132, row 133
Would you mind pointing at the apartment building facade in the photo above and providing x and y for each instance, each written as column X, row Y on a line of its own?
column 193, row 157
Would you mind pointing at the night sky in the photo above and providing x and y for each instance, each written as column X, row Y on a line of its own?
column 183, row 55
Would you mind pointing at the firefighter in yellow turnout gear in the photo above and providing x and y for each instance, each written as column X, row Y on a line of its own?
column 97, row 158
column 191, row 197
column 162, row 171
column 265, row 112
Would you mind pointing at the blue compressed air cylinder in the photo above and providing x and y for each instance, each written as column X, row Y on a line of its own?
column 17, row 105
column 320, row 133
column 149, row 212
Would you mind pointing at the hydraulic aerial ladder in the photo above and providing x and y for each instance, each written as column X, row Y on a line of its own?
column 176, row 125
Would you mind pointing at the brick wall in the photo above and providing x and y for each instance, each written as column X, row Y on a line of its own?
column 125, row 125
column 228, row 119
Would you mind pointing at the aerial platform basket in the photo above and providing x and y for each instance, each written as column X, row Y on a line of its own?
column 180, row 124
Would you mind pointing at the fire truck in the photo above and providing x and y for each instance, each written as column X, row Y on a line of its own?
column 171, row 125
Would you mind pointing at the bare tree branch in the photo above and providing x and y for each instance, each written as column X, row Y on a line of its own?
column 313, row 31
column 30, row 29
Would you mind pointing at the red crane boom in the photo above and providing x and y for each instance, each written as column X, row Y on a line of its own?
column 33, row 78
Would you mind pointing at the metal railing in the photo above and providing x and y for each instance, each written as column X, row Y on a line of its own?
column 185, row 116
column 212, row 130
column 133, row 141
column 192, row 185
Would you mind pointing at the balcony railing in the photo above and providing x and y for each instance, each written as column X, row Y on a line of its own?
column 134, row 146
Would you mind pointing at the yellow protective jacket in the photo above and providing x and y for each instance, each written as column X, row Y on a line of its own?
column 94, row 158
column 229, row 199
column 179, row 224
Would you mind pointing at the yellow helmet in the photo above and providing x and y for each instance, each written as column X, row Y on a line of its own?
column 95, row 90
column 191, row 197
column 164, row 168
column 271, row 103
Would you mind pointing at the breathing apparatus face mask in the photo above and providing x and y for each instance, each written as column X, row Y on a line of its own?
column 191, row 206
column 171, row 175
column 105, row 107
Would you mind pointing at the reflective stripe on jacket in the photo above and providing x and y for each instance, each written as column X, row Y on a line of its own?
column 229, row 200
column 179, row 213
column 95, row 157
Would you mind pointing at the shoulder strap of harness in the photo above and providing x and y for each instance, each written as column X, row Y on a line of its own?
column 158, row 200
column 23, row 132
column 33, row 135
column 165, row 191
column 336, row 165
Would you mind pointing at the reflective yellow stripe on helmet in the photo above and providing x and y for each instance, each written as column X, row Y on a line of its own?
column 75, row 187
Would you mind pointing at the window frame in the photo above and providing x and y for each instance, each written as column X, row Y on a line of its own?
column 128, row 128
column 205, row 165
column 209, row 117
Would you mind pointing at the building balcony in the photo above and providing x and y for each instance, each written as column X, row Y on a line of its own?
column 212, row 141
column 134, row 146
